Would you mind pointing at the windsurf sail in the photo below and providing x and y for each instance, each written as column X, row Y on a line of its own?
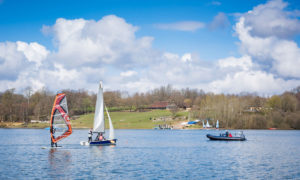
column 99, row 113
column 111, row 127
column 60, row 126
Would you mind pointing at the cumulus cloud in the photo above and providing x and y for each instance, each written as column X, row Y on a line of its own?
column 108, row 49
column 33, row 52
column 271, row 19
column 16, row 57
column 241, row 64
column 108, row 41
column 258, row 82
column 186, row 57
column 282, row 56
column 181, row 26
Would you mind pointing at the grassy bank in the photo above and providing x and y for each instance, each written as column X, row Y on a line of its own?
column 23, row 125
column 128, row 120
column 121, row 120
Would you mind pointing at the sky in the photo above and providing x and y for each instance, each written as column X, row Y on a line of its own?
column 218, row 46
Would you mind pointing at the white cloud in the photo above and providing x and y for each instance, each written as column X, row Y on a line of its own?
column 34, row 52
column 11, row 61
column 270, row 19
column 18, row 57
column 107, row 41
column 108, row 50
column 128, row 73
column 244, row 63
column 181, row 26
column 281, row 56
column 186, row 57
column 252, row 81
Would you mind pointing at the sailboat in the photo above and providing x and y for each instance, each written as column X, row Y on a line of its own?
column 217, row 124
column 203, row 124
column 207, row 124
column 99, row 123
column 60, row 126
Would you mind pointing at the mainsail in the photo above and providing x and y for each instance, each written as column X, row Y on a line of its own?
column 99, row 114
column 60, row 126
column 217, row 125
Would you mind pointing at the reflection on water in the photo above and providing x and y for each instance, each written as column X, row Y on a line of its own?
column 99, row 151
column 59, row 161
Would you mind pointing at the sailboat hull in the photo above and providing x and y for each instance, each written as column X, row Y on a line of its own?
column 100, row 143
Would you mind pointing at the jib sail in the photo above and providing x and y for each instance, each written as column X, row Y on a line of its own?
column 60, row 126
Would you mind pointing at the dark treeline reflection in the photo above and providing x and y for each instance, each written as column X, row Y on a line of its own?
column 247, row 111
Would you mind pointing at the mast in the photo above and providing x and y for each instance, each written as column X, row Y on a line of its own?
column 99, row 114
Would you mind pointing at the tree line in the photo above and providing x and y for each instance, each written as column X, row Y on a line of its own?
column 245, row 111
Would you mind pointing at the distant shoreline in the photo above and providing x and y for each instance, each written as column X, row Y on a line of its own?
column 43, row 126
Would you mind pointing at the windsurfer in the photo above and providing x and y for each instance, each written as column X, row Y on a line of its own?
column 90, row 135
column 52, row 130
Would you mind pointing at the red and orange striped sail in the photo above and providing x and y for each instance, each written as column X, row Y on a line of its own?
column 60, row 126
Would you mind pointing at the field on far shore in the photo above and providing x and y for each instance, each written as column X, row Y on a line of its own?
column 132, row 120
column 121, row 120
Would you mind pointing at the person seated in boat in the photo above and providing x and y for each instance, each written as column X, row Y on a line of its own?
column 229, row 135
column 226, row 134
column 90, row 135
column 101, row 138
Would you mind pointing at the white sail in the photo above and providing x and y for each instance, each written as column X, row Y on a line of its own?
column 207, row 124
column 111, row 127
column 99, row 113
column 203, row 124
column 217, row 124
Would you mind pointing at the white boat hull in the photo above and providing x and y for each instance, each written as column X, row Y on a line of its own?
column 84, row 143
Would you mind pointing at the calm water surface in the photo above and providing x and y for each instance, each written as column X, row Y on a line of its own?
column 151, row 154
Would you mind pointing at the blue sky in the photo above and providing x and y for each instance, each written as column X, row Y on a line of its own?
column 198, row 41
column 22, row 20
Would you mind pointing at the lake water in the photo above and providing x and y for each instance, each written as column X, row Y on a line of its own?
column 151, row 154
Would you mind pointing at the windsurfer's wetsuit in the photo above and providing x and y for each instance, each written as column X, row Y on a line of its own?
column 52, row 143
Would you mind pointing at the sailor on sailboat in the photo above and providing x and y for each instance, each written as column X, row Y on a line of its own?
column 60, row 126
column 99, row 124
